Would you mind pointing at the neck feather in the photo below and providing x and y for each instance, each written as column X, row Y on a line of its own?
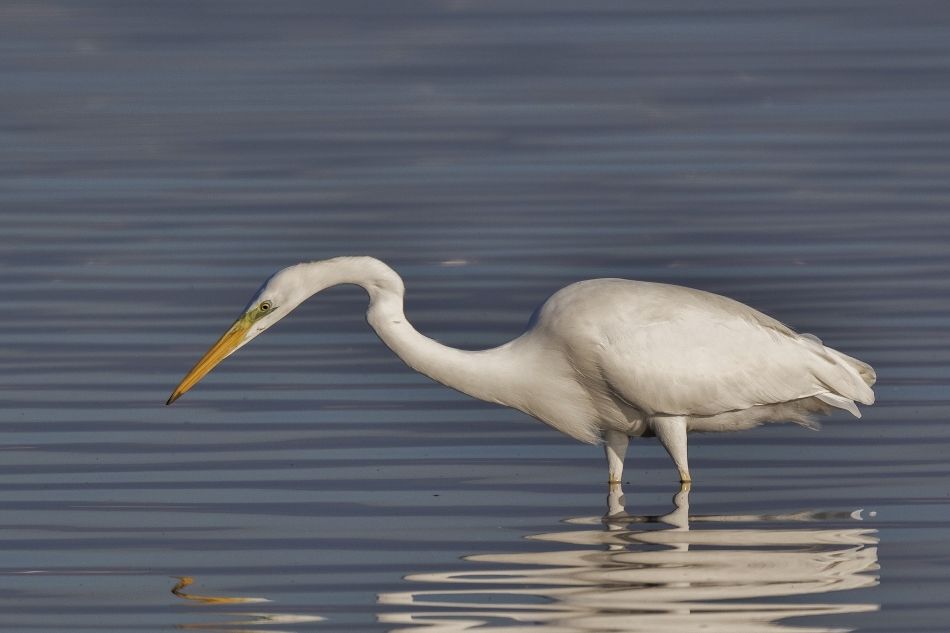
column 489, row 375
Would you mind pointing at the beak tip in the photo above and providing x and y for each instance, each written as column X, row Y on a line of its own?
column 230, row 341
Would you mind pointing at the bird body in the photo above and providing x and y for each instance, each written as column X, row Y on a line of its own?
column 601, row 360
column 672, row 351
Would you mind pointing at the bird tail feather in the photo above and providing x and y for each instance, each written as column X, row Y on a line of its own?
column 865, row 371
column 840, row 402
column 844, row 375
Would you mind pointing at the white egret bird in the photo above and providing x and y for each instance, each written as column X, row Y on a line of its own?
column 601, row 360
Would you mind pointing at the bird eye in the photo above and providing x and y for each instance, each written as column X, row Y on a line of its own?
column 265, row 306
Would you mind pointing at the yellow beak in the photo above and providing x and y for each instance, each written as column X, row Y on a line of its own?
column 218, row 352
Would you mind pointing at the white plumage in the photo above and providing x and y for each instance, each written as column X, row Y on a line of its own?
column 601, row 360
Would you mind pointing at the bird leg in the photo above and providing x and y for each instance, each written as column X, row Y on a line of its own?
column 671, row 431
column 615, row 446
column 615, row 502
column 679, row 517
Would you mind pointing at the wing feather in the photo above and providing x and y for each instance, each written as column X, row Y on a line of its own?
column 673, row 350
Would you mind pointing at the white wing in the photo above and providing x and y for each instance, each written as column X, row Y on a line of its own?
column 673, row 350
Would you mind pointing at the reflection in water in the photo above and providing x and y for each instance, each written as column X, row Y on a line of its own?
column 666, row 577
column 186, row 581
column 246, row 619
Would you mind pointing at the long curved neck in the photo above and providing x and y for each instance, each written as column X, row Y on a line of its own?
column 489, row 375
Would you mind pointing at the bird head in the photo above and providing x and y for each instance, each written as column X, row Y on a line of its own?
column 274, row 300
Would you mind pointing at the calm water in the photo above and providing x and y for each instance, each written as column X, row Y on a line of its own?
column 158, row 160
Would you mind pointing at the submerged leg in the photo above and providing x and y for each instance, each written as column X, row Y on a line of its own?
column 616, row 504
column 615, row 446
column 679, row 517
column 671, row 431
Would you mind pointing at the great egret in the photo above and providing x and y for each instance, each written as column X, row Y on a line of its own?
column 601, row 360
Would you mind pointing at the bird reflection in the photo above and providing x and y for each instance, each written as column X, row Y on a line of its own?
column 187, row 581
column 652, row 574
column 245, row 619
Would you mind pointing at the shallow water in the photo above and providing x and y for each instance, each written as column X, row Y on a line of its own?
column 160, row 160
